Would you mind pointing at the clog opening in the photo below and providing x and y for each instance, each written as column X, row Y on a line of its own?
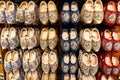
column 31, row 32
column 31, row 6
column 111, row 6
column 87, row 34
column 43, row 6
column 89, row 5
column 65, row 35
column 23, row 33
column 73, row 59
column 108, row 35
column 52, row 33
column 66, row 77
column 115, row 61
column 108, row 61
column 26, row 56
column 44, row 34
column 66, row 59
column 32, row 56
column 93, row 60
column 85, row 59
column 12, row 33
column 116, row 35
column 51, row 6
column 73, row 34
column 23, row 6
column 95, row 34
column 52, row 58
column 45, row 58
column 16, row 74
column 8, row 57
column 74, row 6
column 10, row 6
column 2, row 6
column 66, row 6
column 4, row 33
column 98, row 6
column 15, row 56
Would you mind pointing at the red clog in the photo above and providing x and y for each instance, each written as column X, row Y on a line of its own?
column 116, row 65
column 107, row 64
column 107, row 41
column 116, row 40
column 110, row 13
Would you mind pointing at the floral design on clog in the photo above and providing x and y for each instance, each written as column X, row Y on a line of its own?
column 75, row 17
column 116, row 46
column 107, row 45
column 2, row 17
column 65, row 16
column 7, row 67
column 4, row 43
column 20, row 15
column 43, row 17
column 30, row 17
column 53, row 16
column 10, row 17
column 65, row 45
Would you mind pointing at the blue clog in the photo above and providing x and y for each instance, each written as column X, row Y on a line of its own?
column 75, row 16
column 73, row 63
column 65, row 13
column 65, row 40
column 65, row 62
column 74, row 41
